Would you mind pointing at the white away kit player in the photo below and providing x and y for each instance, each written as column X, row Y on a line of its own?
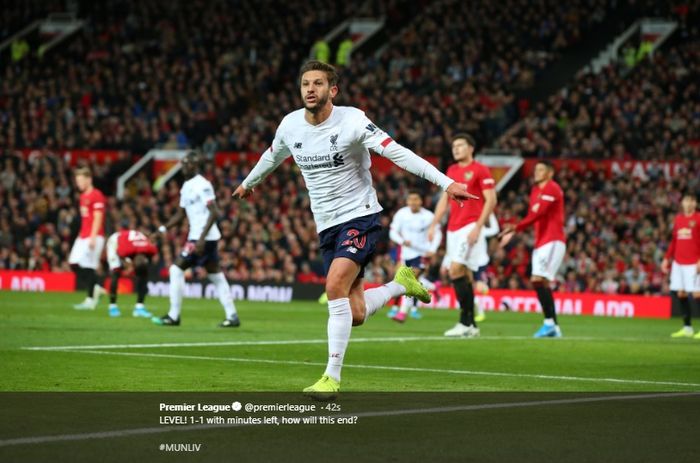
column 198, row 201
column 409, row 229
column 330, row 145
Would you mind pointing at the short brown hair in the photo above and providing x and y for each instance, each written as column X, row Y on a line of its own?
column 316, row 65
column 465, row 136
column 82, row 170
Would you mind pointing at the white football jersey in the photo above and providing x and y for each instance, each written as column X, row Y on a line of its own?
column 410, row 227
column 195, row 194
column 334, row 159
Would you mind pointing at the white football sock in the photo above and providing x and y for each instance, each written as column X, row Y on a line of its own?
column 223, row 291
column 339, row 327
column 394, row 288
column 549, row 321
column 406, row 304
column 427, row 284
column 177, row 289
column 375, row 298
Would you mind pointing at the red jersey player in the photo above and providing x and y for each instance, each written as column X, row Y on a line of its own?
column 466, row 243
column 684, row 252
column 124, row 247
column 546, row 213
column 87, row 249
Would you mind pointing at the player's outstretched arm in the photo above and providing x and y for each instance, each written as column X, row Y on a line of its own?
column 411, row 162
column 268, row 162
column 377, row 140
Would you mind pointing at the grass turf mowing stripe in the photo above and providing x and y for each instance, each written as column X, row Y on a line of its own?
column 416, row 411
column 394, row 368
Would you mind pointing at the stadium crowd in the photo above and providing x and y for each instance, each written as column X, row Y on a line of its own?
column 652, row 113
column 146, row 73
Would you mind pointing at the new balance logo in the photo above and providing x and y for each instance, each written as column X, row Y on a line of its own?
column 297, row 145
column 371, row 128
column 338, row 160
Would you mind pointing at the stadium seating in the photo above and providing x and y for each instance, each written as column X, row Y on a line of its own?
column 143, row 74
column 650, row 114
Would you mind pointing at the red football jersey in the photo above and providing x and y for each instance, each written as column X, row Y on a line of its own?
column 91, row 202
column 478, row 178
column 132, row 242
column 685, row 244
column 546, row 212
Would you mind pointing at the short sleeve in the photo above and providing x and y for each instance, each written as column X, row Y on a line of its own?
column 206, row 193
column 98, row 202
column 486, row 180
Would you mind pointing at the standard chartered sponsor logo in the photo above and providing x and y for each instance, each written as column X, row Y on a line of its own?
column 318, row 161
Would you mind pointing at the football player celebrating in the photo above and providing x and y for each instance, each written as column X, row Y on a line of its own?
column 330, row 145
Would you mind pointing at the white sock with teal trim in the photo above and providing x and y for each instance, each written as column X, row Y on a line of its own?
column 177, row 289
column 339, row 328
column 223, row 291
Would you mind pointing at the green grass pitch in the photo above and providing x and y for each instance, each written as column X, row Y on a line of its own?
column 281, row 347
